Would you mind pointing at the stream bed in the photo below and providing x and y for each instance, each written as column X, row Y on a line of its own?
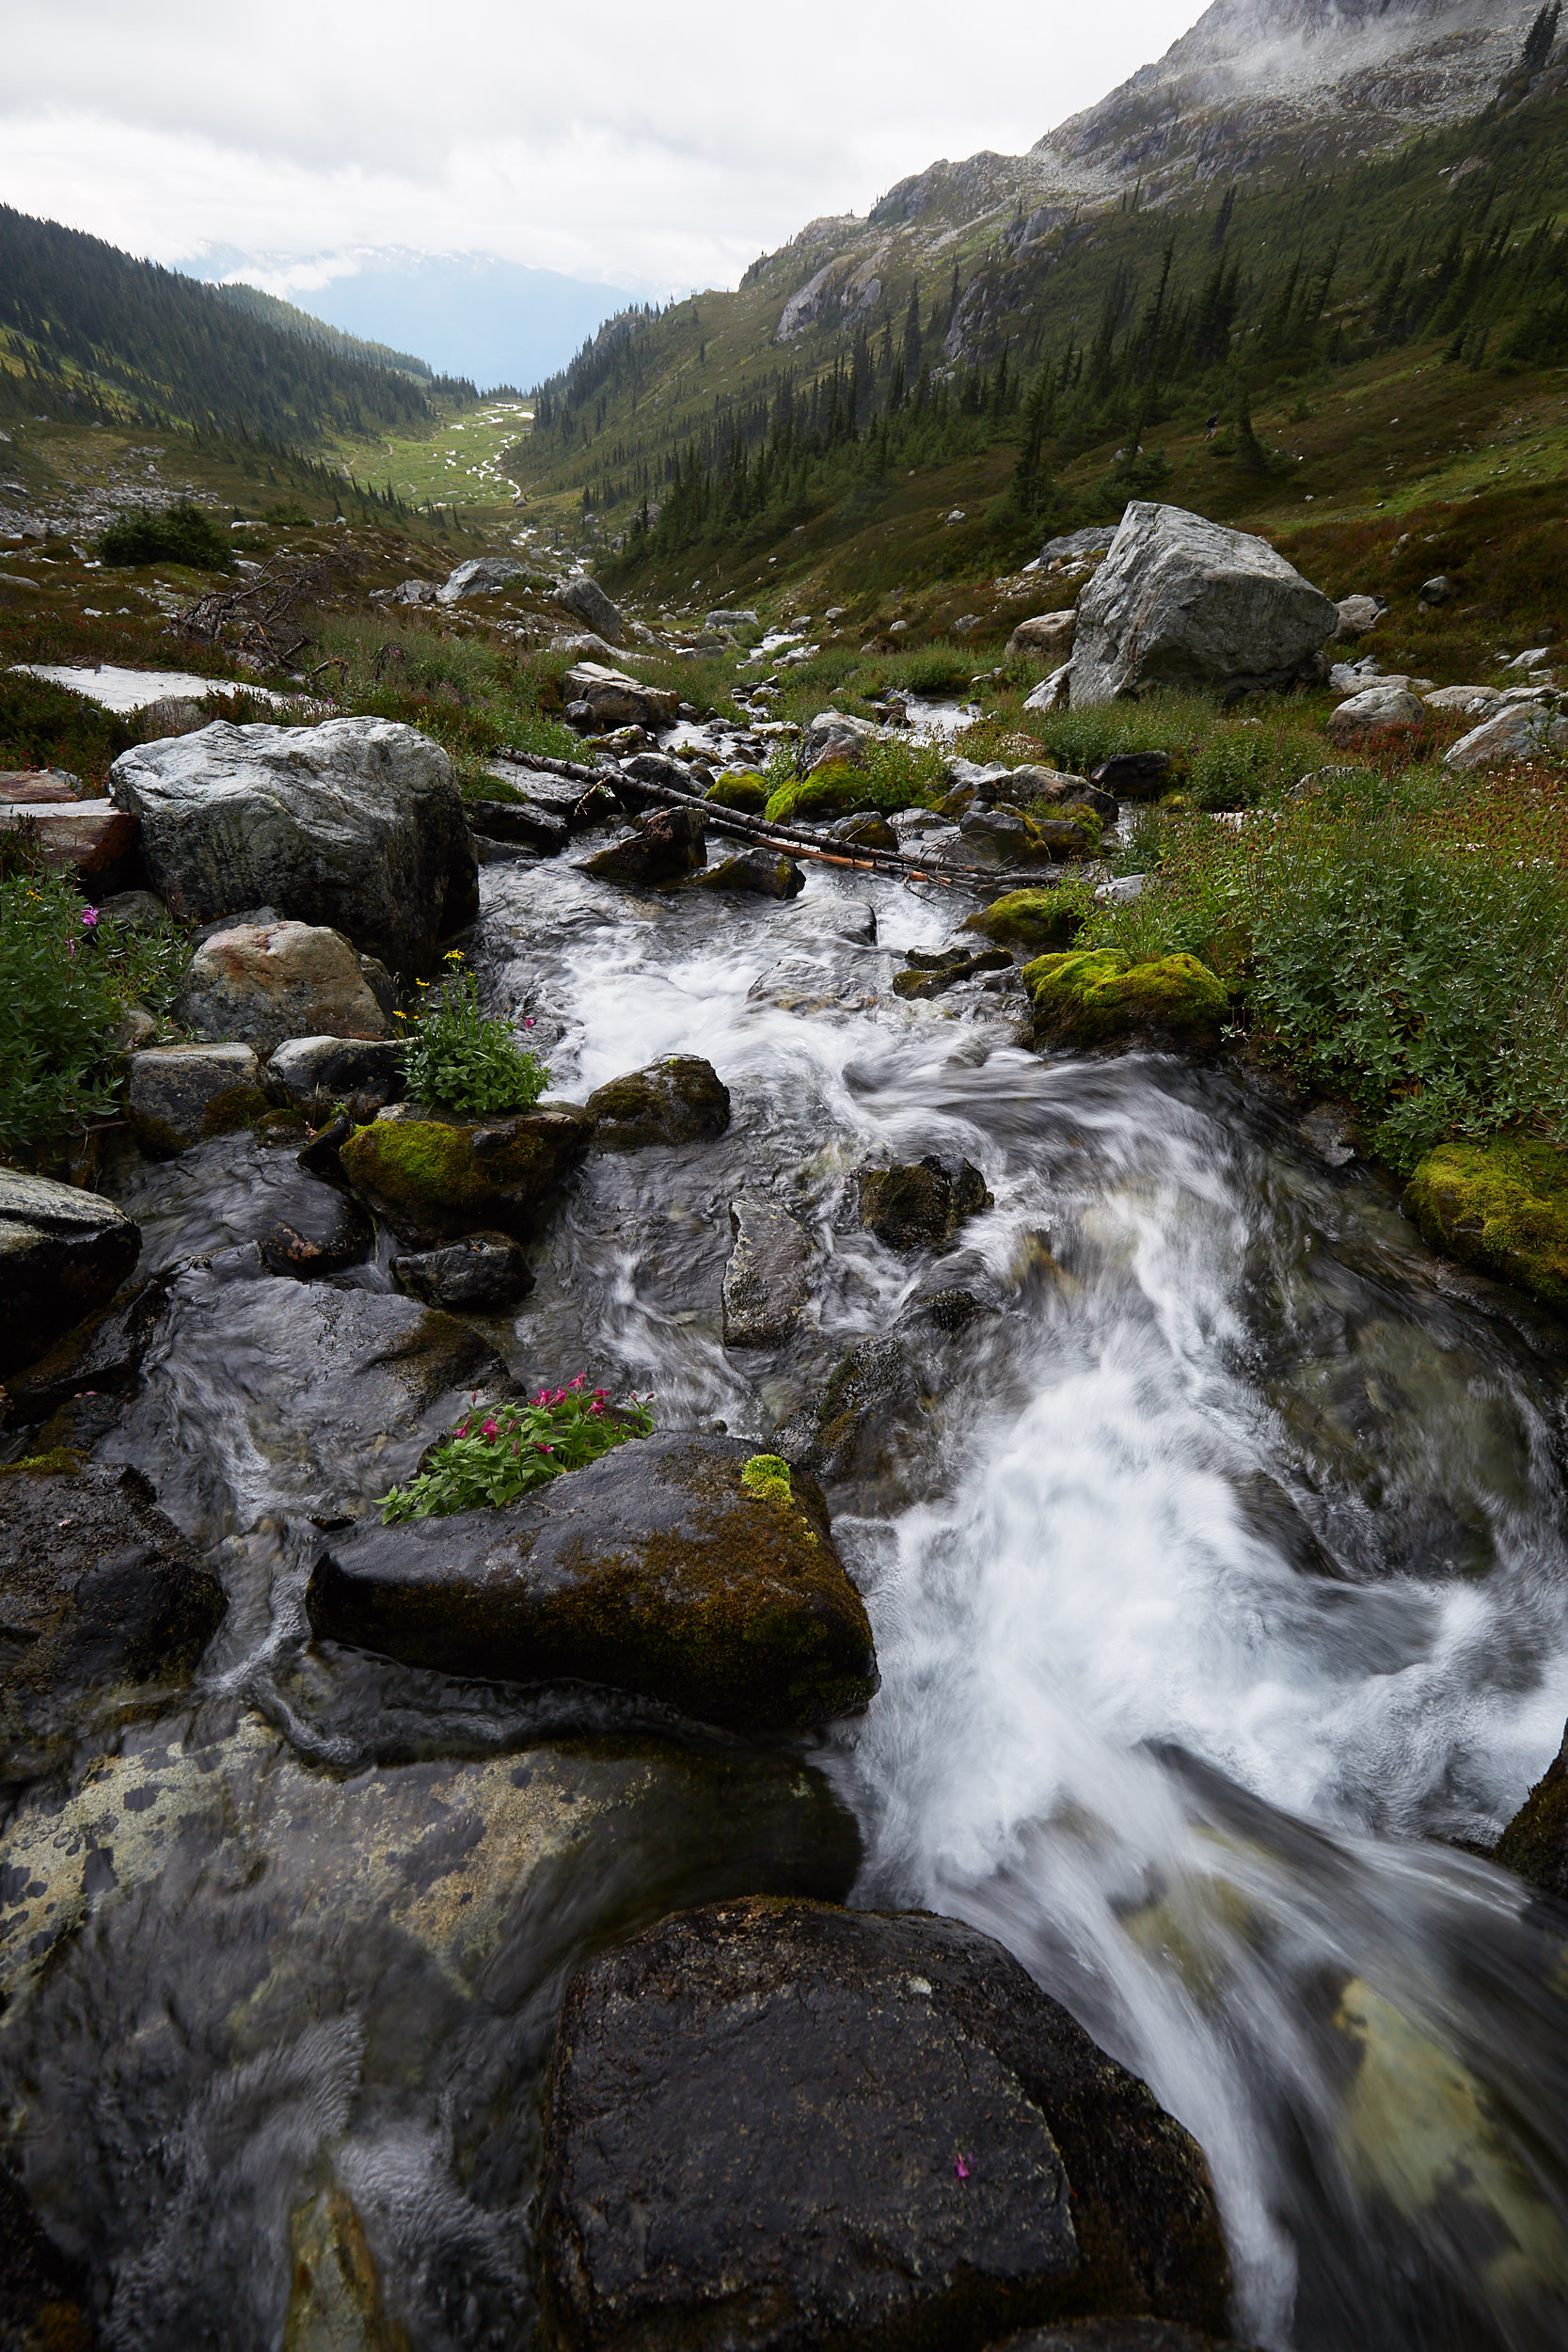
column 1216, row 1556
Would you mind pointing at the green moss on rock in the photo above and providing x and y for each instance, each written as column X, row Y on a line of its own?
column 1501, row 1207
column 1043, row 920
column 837, row 788
column 234, row 1109
column 1098, row 996
column 430, row 1179
column 743, row 789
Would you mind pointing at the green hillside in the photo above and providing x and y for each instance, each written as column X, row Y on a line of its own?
column 290, row 321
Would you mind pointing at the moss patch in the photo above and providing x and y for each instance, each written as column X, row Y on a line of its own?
column 425, row 1176
column 1042, row 920
column 836, row 788
column 1099, row 996
column 235, row 1107
column 59, row 1462
column 742, row 788
column 1501, row 1207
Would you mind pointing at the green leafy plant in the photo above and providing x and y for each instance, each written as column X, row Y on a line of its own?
column 499, row 1453
column 456, row 1054
column 181, row 534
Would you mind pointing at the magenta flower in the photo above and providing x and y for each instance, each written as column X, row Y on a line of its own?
column 578, row 1381
column 543, row 1448
column 595, row 1406
column 89, row 917
column 528, row 1024
column 961, row 2169
column 489, row 1430
column 462, row 1430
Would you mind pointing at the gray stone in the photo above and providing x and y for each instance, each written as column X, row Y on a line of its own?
column 414, row 592
column 587, row 599
column 927, row 2147
column 182, row 1094
column 666, row 847
column 1047, row 635
column 313, row 1073
column 1374, row 709
column 521, row 824
column 740, row 617
column 480, row 576
column 262, row 984
column 1072, row 545
column 1182, row 602
column 680, row 1100
column 356, row 824
column 920, row 1205
column 138, row 909
column 766, row 1279
column 1358, row 614
column 63, row 1252
column 615, row 700
column 1475, row 701
column 468, row 1276
column 760, row 873
column 1052, row 692
column 1440, row 589
column 661, row 1568
column 1525, row 732
column 831, row 735
column 317, row 1229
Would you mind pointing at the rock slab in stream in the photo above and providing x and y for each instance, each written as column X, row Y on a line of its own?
column 1181, row 602
column 261, row 983
column 99, row 1594
column 781, row 2125
column 666, row 847
column 668, row 1567
column 757, row 873
column 468, row 1276
column 920, row 1206
column 356, row 824
column 679, row 1100
column 63, row 1252
column 434, row 1181
column 766, row 1277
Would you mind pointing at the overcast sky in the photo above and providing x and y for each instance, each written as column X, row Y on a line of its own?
column 659, row 148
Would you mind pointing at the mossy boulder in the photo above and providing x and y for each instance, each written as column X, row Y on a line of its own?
column 672, row 1566
column 1099, row 997
column 837, row 788
column 919, row 1205
column 434, row 1181
column 927, row 2149
column 1500, row 1207
column 740, row 788
column 680, row 1100
column 1044, row 921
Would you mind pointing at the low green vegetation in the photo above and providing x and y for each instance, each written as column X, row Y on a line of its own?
column 181, row 534
column 498, row 1454
column 66, row 975
column 465, row 1059
column 883, row 774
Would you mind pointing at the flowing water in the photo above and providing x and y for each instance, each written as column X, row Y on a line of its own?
column 1217, row 1570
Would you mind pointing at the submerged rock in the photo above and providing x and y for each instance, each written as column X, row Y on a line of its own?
column 1501, row 1207
column 472, row 1275
column 926, row 2147
column 680, row 1100
column 261, row 984
column 101, row 1597
column 102, row 1354
column 179, row 1095
column 335, row 2300
column 666, row 847
column 433, row 1181
column 757, row 873
column 867, row 1422
column 1100, row 997
column 1535, row 1843
column 920, row 1206
column 766, row 1279
column 42, row 2293
column 1036, row 919
column 317, row 1231
column 356, row 824
column 670, row 1568
column 63, row 1252
column 1182, row 602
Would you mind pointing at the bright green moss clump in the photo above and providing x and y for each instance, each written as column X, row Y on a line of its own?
column 768, row 1474
column 1040, row 919
column 741, row 788
column 1501, row 1207
column 837, row 788
column 1098, row 996
column 425, row 1177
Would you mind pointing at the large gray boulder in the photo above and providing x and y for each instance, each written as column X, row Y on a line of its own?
column 1182, row 602
column 615, row 700
column 356, row 824
column 587, row 599
column 1522, row 731
column 260, row 983
column 779, row 2124
column 62, row 1253
column 480, row 576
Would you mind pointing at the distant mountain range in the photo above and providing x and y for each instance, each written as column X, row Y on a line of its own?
column 495, row 322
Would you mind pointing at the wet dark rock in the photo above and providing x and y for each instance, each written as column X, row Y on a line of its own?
column 680, row 1100
column 181, row 1095
column 524, row 823
column 356, row 824
column 42, row 2293
column 63, row 1252
column 1535, row 1843
column 930, row 975
column 317, row 1231
column 1135, row 775
column 469, row 1276
column 597, row 806
column 99, row 1597
column 670, row 1567
column 766, row 1277
column 102, row 1353
column 920, row 1206
column 926, row 2147
column 433, row 1181
column 1006, row 836
column 319, row 1156
column 869, row 830
column 666, row 847
column 760, row 873
column 1038, row 920
column 657, row 768
column 865, row 1423
column 312, row 1074
column 1114, row 2335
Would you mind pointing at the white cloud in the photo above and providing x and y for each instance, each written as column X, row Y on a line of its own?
column 655, row 147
